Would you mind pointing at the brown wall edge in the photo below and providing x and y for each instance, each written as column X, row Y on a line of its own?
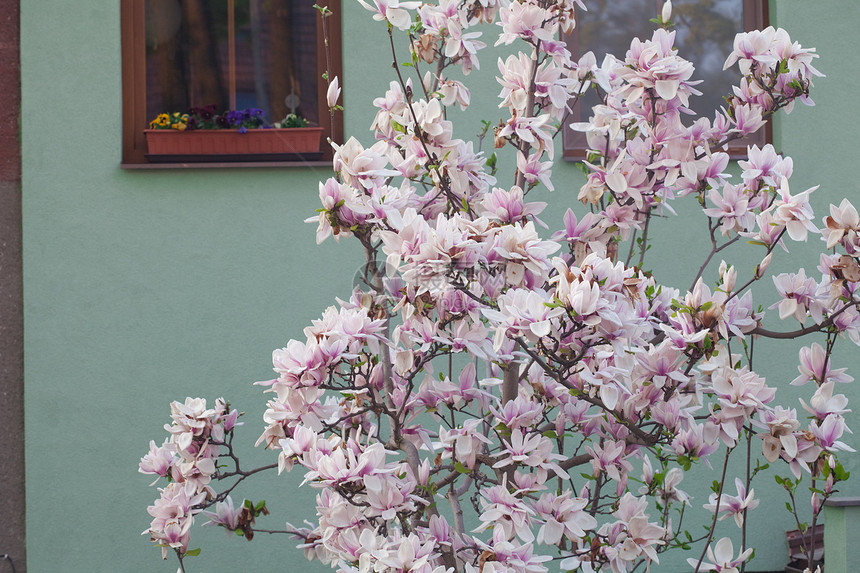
column 12, row 486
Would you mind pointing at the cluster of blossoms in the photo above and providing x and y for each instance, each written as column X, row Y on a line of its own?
column 188, row 459
column 542, row 359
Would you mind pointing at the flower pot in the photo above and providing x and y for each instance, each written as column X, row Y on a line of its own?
column 220, row 145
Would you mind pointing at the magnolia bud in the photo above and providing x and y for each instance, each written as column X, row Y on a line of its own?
column 424, row 472
column 647, row 472
column 816, row 503
column 666, row 15
column 333, row 93
column 427, row 81
column 762, row 266
column 729, row 276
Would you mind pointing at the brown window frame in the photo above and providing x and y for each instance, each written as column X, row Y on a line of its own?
column 574, row 146
column 134, row 120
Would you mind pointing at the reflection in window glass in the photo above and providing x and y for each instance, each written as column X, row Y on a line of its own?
column 704, row 34
column 188, row 56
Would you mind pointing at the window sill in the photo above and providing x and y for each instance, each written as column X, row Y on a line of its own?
column 221, row 165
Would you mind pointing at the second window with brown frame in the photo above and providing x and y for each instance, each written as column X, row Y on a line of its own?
column 705, row 32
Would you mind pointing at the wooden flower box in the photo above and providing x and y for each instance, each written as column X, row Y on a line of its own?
column 228, row 145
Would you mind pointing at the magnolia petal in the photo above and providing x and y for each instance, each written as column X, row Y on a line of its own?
column 666, row 89
column 617, row 182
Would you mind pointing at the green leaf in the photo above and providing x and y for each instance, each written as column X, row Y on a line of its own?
column 249, row 504
column 840, row 473
column 260, row 505
column 550, row 434
column 192, row 552
column 461, row 468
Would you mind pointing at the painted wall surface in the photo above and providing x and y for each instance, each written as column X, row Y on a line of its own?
column 142, row 287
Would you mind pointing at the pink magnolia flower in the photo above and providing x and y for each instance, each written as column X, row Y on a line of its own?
column 732, row 206
column 654, row 64
column 393, row 11
column 823, row 403
column 766, row 165
column 733, row 505
column 506, row 514
column 795, row 212
column 523, row 20
column 815, row 365
column 799, row 296
column 360, row 167
column 533, row 451
column 578, row 231
column 829, row 431
column 563, row 516
column 159, row 459
column 752, row 47
column 842, row 227
column 531, row 130
column 632, row 537
column 509, row 206
column 225, row 515
column 609, row 457
column 173, row 514
column 723, row 557
column 454, row 92
column 518, row 413
column 769, row 230
column 747, row 119
column 534, row 170
column 669, row 490
column 462, row 444
column 781, row 423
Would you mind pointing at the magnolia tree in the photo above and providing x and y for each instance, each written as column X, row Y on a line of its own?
column 488, row 399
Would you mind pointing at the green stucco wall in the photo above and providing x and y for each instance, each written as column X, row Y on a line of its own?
column 142, row 287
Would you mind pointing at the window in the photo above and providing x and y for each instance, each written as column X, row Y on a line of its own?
column 235, row 54
column 705, row 34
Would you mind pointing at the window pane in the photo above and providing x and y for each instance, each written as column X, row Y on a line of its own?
column 607, row 29
column 705, row 34
column 188, row 56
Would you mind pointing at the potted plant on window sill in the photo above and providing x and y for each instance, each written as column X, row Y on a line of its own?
column 202, row 135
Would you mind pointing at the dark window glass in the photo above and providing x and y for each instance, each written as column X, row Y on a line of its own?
column 704, row 34
column 235, row 54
